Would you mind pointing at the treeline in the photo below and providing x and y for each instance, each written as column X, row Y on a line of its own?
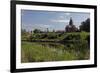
column 58, row 37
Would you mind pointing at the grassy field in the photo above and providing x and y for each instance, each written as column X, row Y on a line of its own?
column 41, row 52
column 76, row 47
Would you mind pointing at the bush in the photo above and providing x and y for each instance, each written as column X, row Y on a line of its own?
column 52, row 36
column 73, row 37
column 44, row 36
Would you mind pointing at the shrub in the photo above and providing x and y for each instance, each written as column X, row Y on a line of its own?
column 73, row 37
column 52, row 36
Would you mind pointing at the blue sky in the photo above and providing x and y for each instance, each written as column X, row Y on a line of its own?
column 33, row 19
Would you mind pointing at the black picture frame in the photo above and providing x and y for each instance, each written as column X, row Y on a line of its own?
column 13, row 35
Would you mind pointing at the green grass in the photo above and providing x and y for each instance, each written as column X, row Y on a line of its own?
column 41, row 52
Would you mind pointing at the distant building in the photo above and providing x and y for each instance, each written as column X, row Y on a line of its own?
column 71, row 27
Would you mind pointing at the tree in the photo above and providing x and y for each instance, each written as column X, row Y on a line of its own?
column 36, row 31
column 85, row 25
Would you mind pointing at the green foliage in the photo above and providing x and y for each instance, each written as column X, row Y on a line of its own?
column 52, row 36
column 72, row 37
column 76, row 36
column 57, row 36
column 40, row 52
column 37, row 31
column 85, row 25
column 74, row 46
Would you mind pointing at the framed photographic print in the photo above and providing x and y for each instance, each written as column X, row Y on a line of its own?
column 52, row 36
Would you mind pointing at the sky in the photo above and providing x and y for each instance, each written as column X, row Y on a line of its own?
column 53, row 20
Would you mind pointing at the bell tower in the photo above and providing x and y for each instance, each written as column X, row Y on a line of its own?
column 71, row 21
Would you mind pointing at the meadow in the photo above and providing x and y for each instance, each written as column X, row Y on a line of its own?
column 67, row 46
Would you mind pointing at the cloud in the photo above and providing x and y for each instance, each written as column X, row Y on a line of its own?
column 42, row 25
column 67, row 14
column 60, row 21
column 46, row 26
column 63, row 16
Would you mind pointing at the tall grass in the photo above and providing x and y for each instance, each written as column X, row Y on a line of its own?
column 41, row 52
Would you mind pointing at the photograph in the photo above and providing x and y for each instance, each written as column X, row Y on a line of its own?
column 54, row 36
